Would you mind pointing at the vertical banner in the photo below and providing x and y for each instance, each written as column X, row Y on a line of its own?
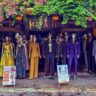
column 62, row 74
column 9, row 75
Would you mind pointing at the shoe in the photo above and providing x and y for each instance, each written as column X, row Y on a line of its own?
column 51, row 77
column 75, row 77
column 89, row 72
column 46, row 77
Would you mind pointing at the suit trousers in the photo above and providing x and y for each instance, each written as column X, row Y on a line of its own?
column 50, row 64
column 34, row 68
column 71, row 58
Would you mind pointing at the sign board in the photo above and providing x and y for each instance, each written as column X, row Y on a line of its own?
column 9, row 75
column 33, row 23
column 62, row 74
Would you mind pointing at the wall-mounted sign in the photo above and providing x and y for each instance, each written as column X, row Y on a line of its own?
column 38, row 23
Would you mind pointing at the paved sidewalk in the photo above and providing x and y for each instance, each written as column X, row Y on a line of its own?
column 84, row 84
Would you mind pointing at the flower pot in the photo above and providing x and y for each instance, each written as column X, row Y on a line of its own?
column 19, row 17
column 28, row 11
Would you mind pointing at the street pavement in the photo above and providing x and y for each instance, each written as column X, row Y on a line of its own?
column 85, row 85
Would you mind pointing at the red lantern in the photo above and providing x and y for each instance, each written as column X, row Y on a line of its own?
column 55, row 17
column 19, row 17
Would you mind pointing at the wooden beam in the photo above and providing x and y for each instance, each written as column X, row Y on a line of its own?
column 9, row 29
column 73, row 29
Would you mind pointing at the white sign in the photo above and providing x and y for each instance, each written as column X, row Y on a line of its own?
column 9, row 75
column 62, row 74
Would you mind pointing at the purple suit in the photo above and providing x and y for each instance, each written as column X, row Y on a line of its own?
column 73, row 51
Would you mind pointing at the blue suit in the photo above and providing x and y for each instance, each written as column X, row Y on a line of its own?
column 73, row 51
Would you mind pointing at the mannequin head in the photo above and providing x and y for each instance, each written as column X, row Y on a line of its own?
column 34, row 39
column 7, row 39
column 24, row 37
column 19, row 39
column 73, row 36
column 90, row 36
column 66, row 36
column 85, row 36
column 17, row 35
column 61, row 35
column 31, row 38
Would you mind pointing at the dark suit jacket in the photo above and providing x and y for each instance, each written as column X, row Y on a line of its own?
column 46, row 48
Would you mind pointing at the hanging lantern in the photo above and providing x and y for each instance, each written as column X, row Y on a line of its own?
column 19, row 17
column 55, row 17
column 28, row 11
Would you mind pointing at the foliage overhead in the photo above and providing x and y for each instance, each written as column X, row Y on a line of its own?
column 76, row 10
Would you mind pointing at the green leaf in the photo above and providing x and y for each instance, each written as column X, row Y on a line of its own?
column 69, row 1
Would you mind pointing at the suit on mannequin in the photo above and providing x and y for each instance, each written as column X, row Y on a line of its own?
column 49, row 54
column 89, row 53
column 59, row 50
column 65, row 49
column 85, row 51
column 34, row 54
column 73, row 53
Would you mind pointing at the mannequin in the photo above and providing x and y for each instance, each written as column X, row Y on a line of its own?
column 45, row 22
column 59, row 49
column 85, row 51
column 65, row 48
column 49, row 54
column 34, row 51
column 89, row 53
column 73, row 53
column 26, row 50
column 7, row 57
column 20, row 58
